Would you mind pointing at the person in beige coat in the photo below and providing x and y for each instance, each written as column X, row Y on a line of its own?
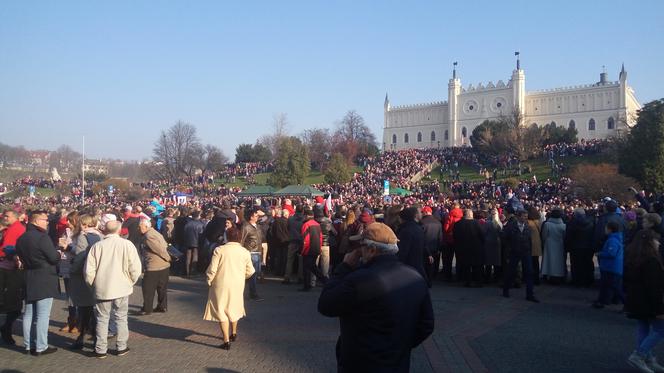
column 229, row 268
column 157, row 266
column 111, row 269
column 535, row 225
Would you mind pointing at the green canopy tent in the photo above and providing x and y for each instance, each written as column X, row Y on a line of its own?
column 257, row 191
column 400, row 192
column 299, row 190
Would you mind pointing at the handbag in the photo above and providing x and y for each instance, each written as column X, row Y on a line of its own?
column 175, row 254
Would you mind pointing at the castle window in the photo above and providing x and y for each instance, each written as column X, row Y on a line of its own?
column 433, row 135
column 419, row 137
column 394, row 139
column 591, row 124
column 471, row 107
column 553, row 124
column 447, row 135
column 464, row 132
column 499, row 104
column 611, row 124
column 405, row 138
column 571, row 124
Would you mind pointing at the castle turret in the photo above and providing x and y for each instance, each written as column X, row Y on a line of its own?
column 519, row 87
column 622, row 77
column 453, row 91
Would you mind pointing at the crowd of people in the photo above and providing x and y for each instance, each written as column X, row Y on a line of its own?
column 474, row 233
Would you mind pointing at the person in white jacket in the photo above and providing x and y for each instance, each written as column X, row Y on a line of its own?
column 111, row 269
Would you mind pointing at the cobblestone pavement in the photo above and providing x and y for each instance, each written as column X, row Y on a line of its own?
column 476, row 331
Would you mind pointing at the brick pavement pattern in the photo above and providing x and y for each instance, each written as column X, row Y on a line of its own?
column 476, row 331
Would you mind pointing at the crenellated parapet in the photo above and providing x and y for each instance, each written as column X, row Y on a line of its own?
column 489, row 87
column 418, row 106
column 576, row 88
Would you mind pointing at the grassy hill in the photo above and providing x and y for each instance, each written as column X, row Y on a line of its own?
column 540, row 168
column 315, row 177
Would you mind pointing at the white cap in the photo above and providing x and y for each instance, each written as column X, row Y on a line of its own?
column 106, row 218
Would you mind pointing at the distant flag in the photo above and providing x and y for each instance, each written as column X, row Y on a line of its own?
column 328, row 203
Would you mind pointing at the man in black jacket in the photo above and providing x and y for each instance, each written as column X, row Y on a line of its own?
column 39, row 258
column 517, row 236
column 433, row 242
column 384, row 306
column 411, row 241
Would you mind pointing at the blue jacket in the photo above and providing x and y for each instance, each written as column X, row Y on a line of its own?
column 611, row 255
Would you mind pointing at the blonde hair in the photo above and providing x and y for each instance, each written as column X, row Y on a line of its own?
column 84, row 220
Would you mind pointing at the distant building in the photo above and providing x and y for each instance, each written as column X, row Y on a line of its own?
column 96, row 166
column 596, row 110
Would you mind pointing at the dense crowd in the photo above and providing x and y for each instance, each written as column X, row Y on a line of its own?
column 476, row 233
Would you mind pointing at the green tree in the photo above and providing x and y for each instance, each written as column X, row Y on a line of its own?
column 641, row 154
column 508, row 135
column 291, row 165
column 337, row 170
column 556, row 135
column 252, row 153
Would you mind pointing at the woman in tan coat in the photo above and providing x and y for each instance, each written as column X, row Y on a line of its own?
column 535, row 225
column 229, row 268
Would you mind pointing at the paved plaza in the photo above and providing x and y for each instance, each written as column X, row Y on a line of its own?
column 476, row 331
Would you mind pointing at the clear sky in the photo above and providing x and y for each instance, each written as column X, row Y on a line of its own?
column 119, row 72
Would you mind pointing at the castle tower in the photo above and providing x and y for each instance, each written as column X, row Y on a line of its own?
column 519, row 87
column 622, row 111
column 453, row 91
column 623, row 87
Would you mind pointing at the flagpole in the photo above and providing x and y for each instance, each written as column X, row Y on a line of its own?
column 83, row 173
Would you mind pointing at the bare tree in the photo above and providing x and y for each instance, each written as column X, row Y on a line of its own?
column 178, row 149
column 65, row 159
column 213, row 159
column 279, row 132
column 319, row 143
column 353, row 137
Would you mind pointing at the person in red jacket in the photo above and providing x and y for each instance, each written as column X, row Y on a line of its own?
column 448, row 238
column 10, row 279
column 312, row 236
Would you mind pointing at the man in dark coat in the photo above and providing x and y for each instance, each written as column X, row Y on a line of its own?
column 295, row 245
column 384, row 306
column 610, row 214
column 433, row 241
column 469, row 240
column 280, row 238
column 39, row 257
column 411, row 241
column 516, row 236
column 192, row 234
column 579, row 243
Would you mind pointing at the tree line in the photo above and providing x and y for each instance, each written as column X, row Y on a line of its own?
column 179, row 151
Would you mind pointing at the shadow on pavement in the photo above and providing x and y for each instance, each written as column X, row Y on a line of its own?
column 168, row 332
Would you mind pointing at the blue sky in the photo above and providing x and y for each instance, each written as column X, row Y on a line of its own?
column 119, row 72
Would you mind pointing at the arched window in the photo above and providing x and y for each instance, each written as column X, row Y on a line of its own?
column 553, row 124
column 447, row 135
column 394, row 139
column 433, row 135
column 572, row 124
column 591, row 124
column 419, row 137
column 464, row 132
column 405, row 138
column 611, row 124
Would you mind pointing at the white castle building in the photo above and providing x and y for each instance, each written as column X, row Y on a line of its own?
column 596, row 110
